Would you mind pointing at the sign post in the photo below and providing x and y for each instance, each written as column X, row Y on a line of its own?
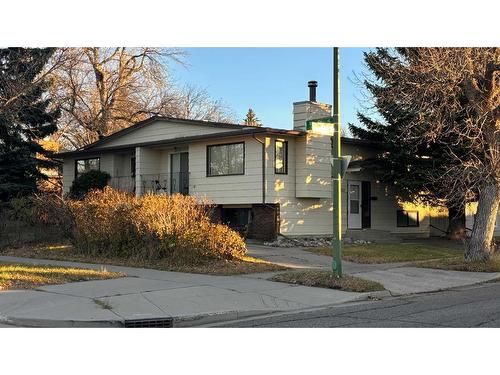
column 339, row 164
column 336, row 172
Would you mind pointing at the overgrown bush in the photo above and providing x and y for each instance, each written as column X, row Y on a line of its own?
column 34, row 219
column 115, row 224
column 87, row 181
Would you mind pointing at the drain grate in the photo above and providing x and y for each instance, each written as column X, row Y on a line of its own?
column 149, row 323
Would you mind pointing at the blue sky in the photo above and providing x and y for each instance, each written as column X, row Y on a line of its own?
column 269, row 80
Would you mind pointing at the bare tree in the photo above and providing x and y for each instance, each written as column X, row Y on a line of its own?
column 454, row 97
column 102, row 90
column 192, row 102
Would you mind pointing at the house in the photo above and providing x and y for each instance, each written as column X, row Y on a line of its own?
column 470, row 211
column 263, row 180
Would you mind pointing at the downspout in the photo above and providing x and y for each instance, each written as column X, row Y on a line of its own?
column 263, row 168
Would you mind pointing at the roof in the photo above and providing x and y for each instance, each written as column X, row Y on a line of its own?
column 236, row 130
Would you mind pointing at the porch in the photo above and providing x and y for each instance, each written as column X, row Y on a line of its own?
column 160, row 183
column 153, row 170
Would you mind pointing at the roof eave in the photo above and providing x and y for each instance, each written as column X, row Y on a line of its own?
column 184, row 140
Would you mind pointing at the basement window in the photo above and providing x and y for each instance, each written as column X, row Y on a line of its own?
column 407, row 218
column 85, row 165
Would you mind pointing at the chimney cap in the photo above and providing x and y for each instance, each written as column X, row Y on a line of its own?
column 312, row 90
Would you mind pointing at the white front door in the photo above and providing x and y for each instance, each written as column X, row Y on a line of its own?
column 354, row 204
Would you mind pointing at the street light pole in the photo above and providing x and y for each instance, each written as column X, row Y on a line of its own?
column 336, row 171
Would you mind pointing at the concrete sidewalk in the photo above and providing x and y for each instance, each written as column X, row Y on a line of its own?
column 297, row 258
column 398, row 278
column 187, row 299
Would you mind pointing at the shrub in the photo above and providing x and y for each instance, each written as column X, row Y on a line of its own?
column 36, row 218
column 87, row 181
column 110, row 223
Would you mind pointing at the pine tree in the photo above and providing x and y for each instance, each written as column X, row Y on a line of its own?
column 251, row 119
column 25, row 119
column 408, row 166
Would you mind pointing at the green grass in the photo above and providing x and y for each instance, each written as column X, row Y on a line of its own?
column 391, row 253
column 24, row 276
column 458, row 264
column 325, row 279
column 243, row 265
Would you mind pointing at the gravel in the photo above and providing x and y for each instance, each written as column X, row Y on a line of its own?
column 310, row 242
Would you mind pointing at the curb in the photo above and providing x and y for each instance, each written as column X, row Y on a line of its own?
column 303, row 310
column 178, row 322
column 182, row 321
column 213, row 318
column 381, row 294
column 218, row 317
column 50, row 323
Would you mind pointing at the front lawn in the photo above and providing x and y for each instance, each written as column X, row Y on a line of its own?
column 390, row 253
column 458, row 264
column 325, row 279
column 24, row 276
column 240, row 265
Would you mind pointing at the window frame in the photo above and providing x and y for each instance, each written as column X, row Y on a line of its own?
column 285, row 163
column 98, row 158
column 224, row 144
column 405, row 212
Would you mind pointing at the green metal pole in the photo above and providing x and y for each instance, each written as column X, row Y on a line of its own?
column 336, row 172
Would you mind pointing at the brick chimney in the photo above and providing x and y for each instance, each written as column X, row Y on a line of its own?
column 310, row 109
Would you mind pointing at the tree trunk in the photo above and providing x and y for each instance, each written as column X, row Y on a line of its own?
column 481, row 245
column 456, row 225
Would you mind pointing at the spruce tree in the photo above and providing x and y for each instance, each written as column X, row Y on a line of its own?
column 251, row 119
column 407, row 166
column 25, row 119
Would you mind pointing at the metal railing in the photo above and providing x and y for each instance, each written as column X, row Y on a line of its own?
column 165, row 183
column 123, row 183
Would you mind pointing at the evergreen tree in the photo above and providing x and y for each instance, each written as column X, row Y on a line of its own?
column 251, row 119
column 408, row 166
column 25, row 119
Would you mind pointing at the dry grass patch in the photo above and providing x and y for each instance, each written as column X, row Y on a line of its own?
column 325, row 279
column 390, row 253
column 235, row 266
column 459, row 264
column 173, row 233
column 24, row 276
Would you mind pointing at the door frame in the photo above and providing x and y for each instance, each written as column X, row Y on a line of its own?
column 183, row 182
column 364, row 203
column 349, row 215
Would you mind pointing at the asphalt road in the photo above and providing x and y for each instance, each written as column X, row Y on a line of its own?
column 476, row 306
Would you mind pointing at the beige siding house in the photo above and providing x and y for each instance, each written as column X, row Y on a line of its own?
column 263, row 181
column 470, row 211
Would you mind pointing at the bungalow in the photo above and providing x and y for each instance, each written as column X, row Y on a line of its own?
column 263, row 181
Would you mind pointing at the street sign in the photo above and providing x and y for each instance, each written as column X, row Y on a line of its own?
column 346, row 159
